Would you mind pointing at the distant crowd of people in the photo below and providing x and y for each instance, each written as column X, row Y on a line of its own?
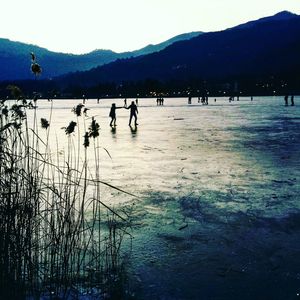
column 203, row 100
column 232, row 98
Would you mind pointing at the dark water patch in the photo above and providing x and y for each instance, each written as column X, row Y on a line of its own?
column 172, row 238
column 280, row 128
column 284, row 118
column 200, row 237
column 287, row 224
column 212, row 206
column 194, row 208
column 278, row 141
column 280, row 144
column 240, row 224
column 157, row 197
column 222, row 254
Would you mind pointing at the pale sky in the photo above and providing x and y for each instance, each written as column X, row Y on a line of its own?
column 75, row 26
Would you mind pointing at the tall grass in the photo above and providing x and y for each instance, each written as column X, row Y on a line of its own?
column 58, row 239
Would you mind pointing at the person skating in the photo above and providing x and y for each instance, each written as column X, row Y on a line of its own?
column 133, row 113
column 113, row 115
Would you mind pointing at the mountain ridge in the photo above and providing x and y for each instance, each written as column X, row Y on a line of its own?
column 263, row 53
column 15, row 59
column 247, row 52
column 282, row 15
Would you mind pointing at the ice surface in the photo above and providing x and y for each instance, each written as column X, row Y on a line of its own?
column 217, row 214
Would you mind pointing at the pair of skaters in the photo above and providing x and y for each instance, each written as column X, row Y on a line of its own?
column 286, row 100
column 133, row 113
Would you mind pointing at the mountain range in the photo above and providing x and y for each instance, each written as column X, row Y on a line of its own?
column 261, row 55
column 15, row 58
column 267, row 47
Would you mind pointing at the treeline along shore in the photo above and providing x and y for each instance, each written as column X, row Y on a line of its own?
column 153, row 88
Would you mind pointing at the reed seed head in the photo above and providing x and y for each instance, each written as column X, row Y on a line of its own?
column 94, row 129
column 45, row 124
column 77, row 109
column 71, row 127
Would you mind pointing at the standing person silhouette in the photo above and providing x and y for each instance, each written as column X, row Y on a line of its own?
column 133, row 113
column 113, row 115
column 292, row 100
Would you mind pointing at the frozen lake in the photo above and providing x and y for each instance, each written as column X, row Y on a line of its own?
column 217, row 214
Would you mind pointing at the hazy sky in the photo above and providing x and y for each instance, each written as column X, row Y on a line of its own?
column 77, row 26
